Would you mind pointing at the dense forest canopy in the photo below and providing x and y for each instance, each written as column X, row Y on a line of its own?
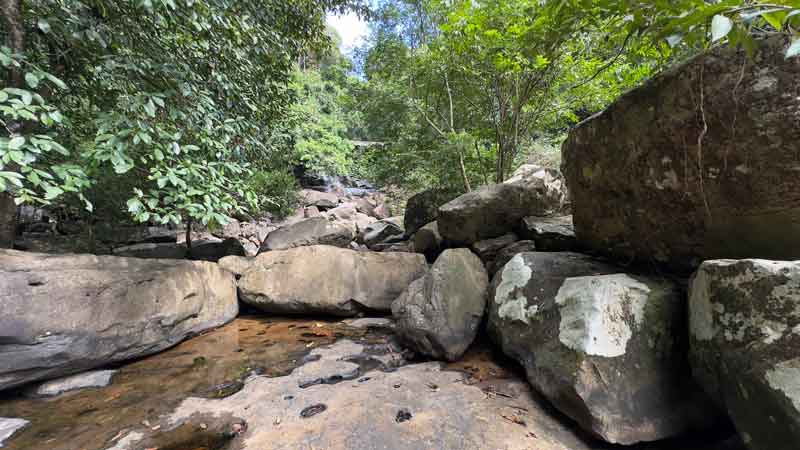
column 170, row 111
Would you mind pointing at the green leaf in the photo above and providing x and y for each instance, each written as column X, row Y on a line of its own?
column 794, row 49
column 43, row 25
column 52, row 192
column 16, row 143
column 32, row 80
column 720, row 27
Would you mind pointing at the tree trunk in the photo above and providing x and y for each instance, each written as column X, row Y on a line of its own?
column 9, row 9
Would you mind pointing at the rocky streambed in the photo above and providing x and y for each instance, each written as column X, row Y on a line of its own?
column 288, row 383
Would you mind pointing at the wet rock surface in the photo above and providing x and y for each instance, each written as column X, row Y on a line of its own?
column 330, row 280
column 62, row 314
column 605, row 347
column 92, row 379
column 745, row 346
column 173, row 400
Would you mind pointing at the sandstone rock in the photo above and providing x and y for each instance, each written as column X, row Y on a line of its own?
column 642, row 187
column 311, row 211
column 213, row 251
column 311, row 197
column 551, row 234
column 65, row 314
column 328, row 280
column 605, row 347
column 488, row 249
column 9, row 426
column 439, row 314
column 152, row 251
column 378, row 232
column 364, row 413
column 237, row 265
column 745, row 346
column 506, row 253
column 314, row 231
column 423, row 208
column 96, row 378
column 428, row 241
column 494, row 210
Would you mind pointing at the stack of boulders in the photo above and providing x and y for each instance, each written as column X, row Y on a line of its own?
column 594, row 305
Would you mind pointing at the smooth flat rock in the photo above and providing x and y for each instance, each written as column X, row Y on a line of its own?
column 745, row 346
column 328, row 280
column 64, row 314
column 314, row 231
column 418, row 406
column 95, row 378
column 10, row 426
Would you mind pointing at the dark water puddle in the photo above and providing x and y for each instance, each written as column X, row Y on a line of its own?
column 211, row 365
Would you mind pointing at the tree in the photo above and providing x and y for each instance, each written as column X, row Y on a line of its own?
column 177, row 95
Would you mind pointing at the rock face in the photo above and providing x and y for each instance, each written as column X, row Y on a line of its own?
column 64, row 314
column 418, row 406
column 439, row 314
column 313, row 231
column 488, row 249
column 506, row 253
column 328, row 280
column 95, row 378
column 551, row 234
column 423, row 208
column 161, row 250
column 428, row 241
column 494, row 210
column 642, row 187
column 381, row 231
column 745, row 346
column 605, row 347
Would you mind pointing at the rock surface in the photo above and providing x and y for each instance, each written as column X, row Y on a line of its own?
column 9, row 426
column 439, row 314
column 418, row 406
column 551, row 234
column 494, row 210
column 745, row 346
column 423, row 208
column 328, row 280
column 213, row 251
column 506, row 253
column 64, row 314
column 642, row 188
column 605, row 347
column 161, row 250
column 381, row 232
column 95, row 378
column 313, row 231
column 428, row 241
column 488, row 249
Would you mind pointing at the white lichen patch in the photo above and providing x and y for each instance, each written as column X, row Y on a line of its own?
column 513, row 305
column 600, row 313
column 785, row 377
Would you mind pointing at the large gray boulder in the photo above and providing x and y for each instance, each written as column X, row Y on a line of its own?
column 606, row 348
column 439, row 314
column 745, row 346
column 428, row 241
column 506, row 253
column 65, row 314
column 551, row 234
column 327, row 280
column 314, row 231
column 699, row 163
column 382, row 231
column 494, row 210
column 423, row 208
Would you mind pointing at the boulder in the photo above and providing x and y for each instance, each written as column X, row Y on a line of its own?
column 745, row 346
column 381, row 231
column 438, row 315
column 213, row 251
column 487, row 249
column 66, row 314
column 423, row 208
column 551, row 234
column 322, row 200
column 494, row 210
column 91, row 379
column 506, row 253
column 164, row 250
column 328, row 280
column 428, row 241
column 313, row 231
column 311, row 211
column 606, row 348
column 663, row 176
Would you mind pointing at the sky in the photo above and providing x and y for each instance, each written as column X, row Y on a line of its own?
column 350, row 28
